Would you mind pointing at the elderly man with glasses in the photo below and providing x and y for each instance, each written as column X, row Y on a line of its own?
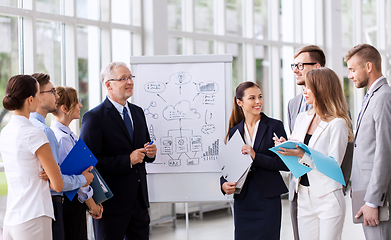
column 116, row 132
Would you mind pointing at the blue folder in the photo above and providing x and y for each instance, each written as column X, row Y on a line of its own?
column 324, row 164
column 78, row 159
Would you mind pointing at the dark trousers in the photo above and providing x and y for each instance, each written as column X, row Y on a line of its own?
column 130, row 225
column 58, row 224
column 75, row 221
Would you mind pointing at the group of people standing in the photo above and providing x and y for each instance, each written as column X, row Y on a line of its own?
column 115, row 131
column 319, row 117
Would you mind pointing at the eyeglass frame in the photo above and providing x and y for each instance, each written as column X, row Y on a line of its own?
column 121, row 79
column 53, row 91
column 296, row 65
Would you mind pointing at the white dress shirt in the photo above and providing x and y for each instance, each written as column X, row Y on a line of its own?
column 28, row 195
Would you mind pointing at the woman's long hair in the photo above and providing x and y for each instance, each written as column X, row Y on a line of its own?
column 237, row 114
column 329, row 101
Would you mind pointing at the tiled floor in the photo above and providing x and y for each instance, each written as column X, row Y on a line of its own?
column 218, row 225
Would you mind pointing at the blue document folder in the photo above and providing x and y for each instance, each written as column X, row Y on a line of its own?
column 78, row 159
column 324, row 164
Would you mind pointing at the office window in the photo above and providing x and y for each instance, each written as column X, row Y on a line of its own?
column 9, row 59
column 369, row 24
column 48, row 6
column 88, row 9
column 204, row 47
column 49, row 50
column 233, row 17
column 347, row 23
column 287, row 23
column 121, row 45
column 262, row 71
column 9, row 3
column 203, row 15
column 261, row 19
column 175, row 46
column 236, row 50
column 121, row 11
column 174, row 10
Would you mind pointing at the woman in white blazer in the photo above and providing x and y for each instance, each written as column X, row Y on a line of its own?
column 325, row 128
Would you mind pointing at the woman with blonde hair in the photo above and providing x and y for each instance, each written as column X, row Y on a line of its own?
column 68, row 109
column 325, row 128
column 25, row 151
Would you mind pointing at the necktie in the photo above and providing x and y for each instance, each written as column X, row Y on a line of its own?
column 128, row 123
column 362, row 106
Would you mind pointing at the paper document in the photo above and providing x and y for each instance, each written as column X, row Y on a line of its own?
column 233, row 164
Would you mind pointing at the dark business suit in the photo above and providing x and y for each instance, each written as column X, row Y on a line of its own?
column 258, row 206
column 105, row 133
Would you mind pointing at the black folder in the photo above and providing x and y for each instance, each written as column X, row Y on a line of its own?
column 102, row 192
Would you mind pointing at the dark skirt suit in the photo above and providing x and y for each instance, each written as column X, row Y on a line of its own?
column 257, row 209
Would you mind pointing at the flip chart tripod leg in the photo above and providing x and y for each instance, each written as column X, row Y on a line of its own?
column 187, row 220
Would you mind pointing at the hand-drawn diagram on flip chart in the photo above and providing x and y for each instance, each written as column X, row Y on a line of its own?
column 184, row 105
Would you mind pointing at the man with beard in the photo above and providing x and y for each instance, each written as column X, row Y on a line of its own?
column 47, row 105
column 371, row 158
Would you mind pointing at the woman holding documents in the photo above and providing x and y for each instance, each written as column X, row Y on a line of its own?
column 68, row 109
column 257, row 207
column 325, row 128
column 25, row 150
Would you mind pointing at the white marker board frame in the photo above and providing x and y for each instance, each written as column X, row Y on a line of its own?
column 188, row 186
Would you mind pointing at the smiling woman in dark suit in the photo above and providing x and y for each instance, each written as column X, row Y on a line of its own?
column 257, row 208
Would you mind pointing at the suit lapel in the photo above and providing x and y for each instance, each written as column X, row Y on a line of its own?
column 302, row 131
column 377, row 87
column 318, row 131
column 260, row 133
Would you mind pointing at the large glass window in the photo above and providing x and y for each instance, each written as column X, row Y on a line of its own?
column 261, row 19
column 48, row 6
column 121, row 45
column 236, row 50
column 49, row 50
column 203, row 16
column 369, row 24
column 174, row 10
column 175, row 46
column 121, row 12
column 234, row 17
column 347, row 23
column 9, row 58
column 10, row 3
column 204, row 47
column 88, row 9
column 262, row 71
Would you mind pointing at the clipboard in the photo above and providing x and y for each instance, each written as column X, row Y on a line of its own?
column 78, row 159
column 358, row 202
column 102, row 192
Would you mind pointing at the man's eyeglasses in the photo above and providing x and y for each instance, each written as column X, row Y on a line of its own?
column 122, row 79
column 300, row 65
column 53, row 90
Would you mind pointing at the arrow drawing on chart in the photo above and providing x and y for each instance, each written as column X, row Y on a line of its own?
column 195, row 83
column 195, row 153
column 206, row 113
column 211, row 115
column 180, row 89
column 170, row 157
column 187, row 155
column 196, row 96
column 180, row 127
column 160, row 96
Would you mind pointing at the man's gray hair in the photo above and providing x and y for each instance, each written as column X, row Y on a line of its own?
column 107, row 72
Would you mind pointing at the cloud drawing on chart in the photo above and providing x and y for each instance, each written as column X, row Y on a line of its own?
column 181, row 110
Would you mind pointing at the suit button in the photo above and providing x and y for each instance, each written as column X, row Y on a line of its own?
column 138, row 180
column 355, row 145
column 136, row 171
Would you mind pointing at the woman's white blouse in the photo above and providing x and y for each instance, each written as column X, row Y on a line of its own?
column 28, row 195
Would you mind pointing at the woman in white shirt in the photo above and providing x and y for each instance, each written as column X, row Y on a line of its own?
column 325, row 128
column 26, row 152
column 68, row 109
